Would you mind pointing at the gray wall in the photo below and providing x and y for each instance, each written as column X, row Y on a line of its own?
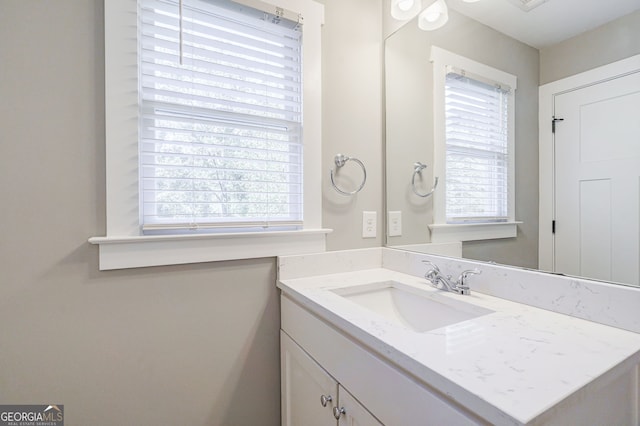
column 190, row 344
column 611, row 42
column 409, row 128
column 352, row 117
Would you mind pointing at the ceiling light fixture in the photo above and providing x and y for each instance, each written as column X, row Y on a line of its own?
column 405, row 9
column 434, row 16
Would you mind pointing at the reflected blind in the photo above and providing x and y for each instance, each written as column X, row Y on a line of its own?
column 476, row 150
column 220, row 116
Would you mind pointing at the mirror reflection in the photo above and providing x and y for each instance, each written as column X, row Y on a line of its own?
column 592, row 206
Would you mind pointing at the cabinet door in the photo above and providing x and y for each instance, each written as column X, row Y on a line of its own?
column 303, row 385
column 352, row 413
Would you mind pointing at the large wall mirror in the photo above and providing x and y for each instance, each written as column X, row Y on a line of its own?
column 553, row 41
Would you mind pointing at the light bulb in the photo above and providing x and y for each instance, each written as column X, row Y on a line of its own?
column 434, row 16
column 405, row 9
column 405, row 5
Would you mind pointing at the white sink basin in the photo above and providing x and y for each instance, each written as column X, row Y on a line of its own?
column 410, row 307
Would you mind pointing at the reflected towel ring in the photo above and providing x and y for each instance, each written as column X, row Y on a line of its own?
column 340, row 161
column 417, row 169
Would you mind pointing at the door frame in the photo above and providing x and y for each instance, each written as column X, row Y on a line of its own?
column 546, row 162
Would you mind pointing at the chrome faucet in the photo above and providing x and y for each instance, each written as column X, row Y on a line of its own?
column 438, row 280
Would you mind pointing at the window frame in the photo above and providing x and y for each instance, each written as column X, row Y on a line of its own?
column 124, row 245
column 441, row 231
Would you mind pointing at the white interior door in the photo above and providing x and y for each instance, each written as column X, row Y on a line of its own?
column 597, row 181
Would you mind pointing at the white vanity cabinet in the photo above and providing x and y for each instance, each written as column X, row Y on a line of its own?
column 513, row 364
column 318, row 360
column 311, row 397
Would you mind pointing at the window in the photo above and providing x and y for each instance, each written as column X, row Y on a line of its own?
column 477, row 158
column 220, row 117
column 474, row 150
column 208, row 154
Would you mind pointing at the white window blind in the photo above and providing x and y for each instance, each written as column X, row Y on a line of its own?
column 477, row 156
column 220, row 117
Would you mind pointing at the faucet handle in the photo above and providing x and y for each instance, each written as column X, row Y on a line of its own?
column 462, row 279
column 461, row 283
column 434, row 267
column 432, row 274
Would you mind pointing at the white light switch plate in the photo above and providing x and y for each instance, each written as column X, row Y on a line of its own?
column 369, row 224
column 395, row 224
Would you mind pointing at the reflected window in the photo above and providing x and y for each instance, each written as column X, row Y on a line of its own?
column 477, row 149
column 474, row 140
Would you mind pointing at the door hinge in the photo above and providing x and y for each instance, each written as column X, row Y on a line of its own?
column 553, row 226
column 554, row 120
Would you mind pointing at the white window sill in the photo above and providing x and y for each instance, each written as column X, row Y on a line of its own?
column 140, row 251
column 444, row 233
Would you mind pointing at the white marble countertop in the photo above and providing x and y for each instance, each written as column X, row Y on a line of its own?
column 509, row 366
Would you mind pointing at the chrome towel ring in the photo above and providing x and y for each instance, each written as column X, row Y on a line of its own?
column 340, row 161
column 417, row 169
